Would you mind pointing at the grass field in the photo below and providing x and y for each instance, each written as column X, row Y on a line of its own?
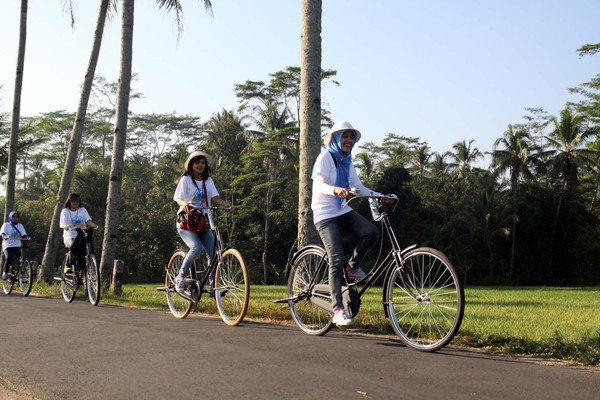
column 555, row 323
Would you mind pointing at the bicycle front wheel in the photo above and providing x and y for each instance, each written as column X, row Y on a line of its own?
column 425, row 300
column 179, row 306
column 232, row 288
column 25, row 281
column 93, row 280
column 308, row 285
column 68, row 281
column 7, row 285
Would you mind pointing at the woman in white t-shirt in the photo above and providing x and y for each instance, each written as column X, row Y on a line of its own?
column 73, row 218
column 196, row 187
column 12, row 232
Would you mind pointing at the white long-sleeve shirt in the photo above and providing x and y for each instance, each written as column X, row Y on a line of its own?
column 324, row 203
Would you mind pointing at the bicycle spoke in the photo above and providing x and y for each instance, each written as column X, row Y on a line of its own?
column 232, row 288
column 179, row 306
column 307, row 272
column 25, row 273
column 93, row 280
column 425, row 300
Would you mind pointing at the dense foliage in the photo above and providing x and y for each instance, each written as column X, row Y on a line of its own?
column 531, row 217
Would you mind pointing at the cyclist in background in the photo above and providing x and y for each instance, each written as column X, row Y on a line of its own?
column 197, row 187
column 333, row 176
column 73, row 219
column 11, row 231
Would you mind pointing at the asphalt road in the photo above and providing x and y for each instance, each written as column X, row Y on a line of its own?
column 54, row 350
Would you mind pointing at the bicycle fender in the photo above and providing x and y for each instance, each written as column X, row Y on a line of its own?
column 409, row 248
column 171, row 255
column 297, row 254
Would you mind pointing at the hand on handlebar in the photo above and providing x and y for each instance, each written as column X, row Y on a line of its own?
column 342, row 192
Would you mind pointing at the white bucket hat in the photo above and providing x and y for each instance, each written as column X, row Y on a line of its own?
column 193, row 155
column 341, row 126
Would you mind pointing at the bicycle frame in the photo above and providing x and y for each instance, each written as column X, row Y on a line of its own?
column 89, row 273
column 89, row 250
column 218, row 250
column 382, row 267
column 226, row 273
column 422, row 294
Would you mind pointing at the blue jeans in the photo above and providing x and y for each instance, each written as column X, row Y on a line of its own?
column 365, row 235
column 196, row 242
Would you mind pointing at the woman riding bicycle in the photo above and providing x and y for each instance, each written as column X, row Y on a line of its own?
column 195, row 189
column 333, row 176
column 12, row 231
column 73, row 219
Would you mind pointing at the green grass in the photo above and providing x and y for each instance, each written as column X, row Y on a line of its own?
column 553, row 323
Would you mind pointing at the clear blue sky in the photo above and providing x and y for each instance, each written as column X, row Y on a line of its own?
column 439, row 70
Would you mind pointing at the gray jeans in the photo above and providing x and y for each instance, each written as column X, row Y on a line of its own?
column 365, row 236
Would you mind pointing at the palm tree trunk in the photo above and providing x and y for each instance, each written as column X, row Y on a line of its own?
column 513, row 249
column 310, row 114
column 596, row 193
column 16, row 114
column 265, row 254
column 113, row 200
column 555, row 224
column 53, row 239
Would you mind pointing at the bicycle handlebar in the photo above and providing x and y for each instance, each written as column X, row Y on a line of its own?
column 210, row 207
column 385, row 197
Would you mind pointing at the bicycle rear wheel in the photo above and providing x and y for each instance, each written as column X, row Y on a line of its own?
column 25, row 281
column 232, row 288
column 304, row 279
column 68, row 281
column 179, row 306
column 425, row 300
column 93, row 280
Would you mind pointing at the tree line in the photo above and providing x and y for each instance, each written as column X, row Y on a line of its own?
column 531, row 217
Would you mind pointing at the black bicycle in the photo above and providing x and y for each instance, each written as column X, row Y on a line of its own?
column 21, row 272
column 72, row 277
column 422, row 293
column 227, row 270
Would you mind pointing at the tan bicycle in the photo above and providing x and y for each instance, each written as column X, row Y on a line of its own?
column 227, row 270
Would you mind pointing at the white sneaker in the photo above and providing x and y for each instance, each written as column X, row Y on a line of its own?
column 341, row 317
column 180, row 284
column 355, row 273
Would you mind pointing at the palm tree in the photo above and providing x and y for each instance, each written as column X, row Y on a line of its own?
column 226, row 139
column 113, row 200
column 310, row 113
column 568, row 140
column 595, row 166
column 463, row 157
column 421, row 158
column 512, row 152
column 53, row 239
column 16, row 114
column 439, row 165
column 366, row 165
